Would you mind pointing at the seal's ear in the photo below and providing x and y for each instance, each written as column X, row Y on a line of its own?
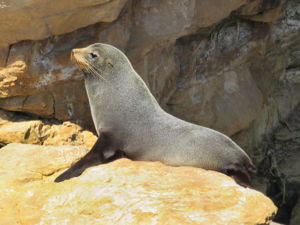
column 109, row 62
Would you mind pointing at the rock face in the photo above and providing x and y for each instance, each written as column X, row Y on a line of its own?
column 233, row 68
column 163, row 20
column 42, row 87
column 39, row 19
column 174, row 47
column 122, row 192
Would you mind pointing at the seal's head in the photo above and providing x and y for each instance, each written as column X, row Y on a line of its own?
column 99, row 60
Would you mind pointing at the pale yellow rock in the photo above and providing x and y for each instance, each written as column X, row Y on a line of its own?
column 121, row 192
column 67, row 134
column 39, row 19
column 38, row 132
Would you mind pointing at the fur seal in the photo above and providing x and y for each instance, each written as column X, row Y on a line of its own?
column 130, row 122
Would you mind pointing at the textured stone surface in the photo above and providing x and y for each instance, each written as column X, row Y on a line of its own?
column 14, row 81
column 280, row 166
column 42, row 84
column 295, row 219
column 164, row 20
column 214, row 94
column 14, row 129
column 39, row 19
column 122, row 192
column 234, row 68
column 262, row 10
column 184, row 77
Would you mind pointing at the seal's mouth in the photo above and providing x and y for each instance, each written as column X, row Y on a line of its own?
column 77, row 58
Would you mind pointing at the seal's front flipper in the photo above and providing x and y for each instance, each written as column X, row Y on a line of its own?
column 94, row 157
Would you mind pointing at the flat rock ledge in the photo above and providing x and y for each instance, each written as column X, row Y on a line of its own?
column 121, row 192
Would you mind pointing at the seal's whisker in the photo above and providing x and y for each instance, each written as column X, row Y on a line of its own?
column 94, row 71
column 79, row 60
column 85, row 64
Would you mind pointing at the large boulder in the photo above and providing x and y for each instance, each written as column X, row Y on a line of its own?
column 163, row 20
column 39, row 19
column 121, row 192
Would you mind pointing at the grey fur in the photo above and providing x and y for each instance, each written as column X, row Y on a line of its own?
column 122, row 105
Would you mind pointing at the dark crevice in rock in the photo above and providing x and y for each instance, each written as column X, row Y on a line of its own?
column 24, row 101
column 53, row 104
column 284, row 197
column 27, row 133
column 7, row 56
column 280, row 165
column 19, row 116
column 22, row 116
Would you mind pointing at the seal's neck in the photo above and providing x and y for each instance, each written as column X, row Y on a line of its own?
column 122, row 98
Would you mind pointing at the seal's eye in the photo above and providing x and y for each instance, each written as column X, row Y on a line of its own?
column 93, row 55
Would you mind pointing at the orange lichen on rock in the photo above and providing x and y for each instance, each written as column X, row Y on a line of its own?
column 121, row 192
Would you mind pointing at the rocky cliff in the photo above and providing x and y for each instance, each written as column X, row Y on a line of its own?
column 229, row 65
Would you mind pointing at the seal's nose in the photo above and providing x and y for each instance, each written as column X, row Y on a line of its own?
column 73, row 53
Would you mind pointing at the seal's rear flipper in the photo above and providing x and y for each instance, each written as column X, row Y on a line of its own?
column 241, row 174
column 94, row 157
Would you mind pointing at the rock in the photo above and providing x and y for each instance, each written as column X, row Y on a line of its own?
column 163, row 20
column 44, row 85
column 268, row 16
column 35, row 161
column 121, row 192
column 273, row 223
column 295, row 218
column 233, row 68
column 19, row 130
column 262, row 11
column 41, row 104
column 56, row 89
column 276, row 77
column 38, row 20
column 281, row 165
column 159, row 73
column 14, row 81
column 214, row 83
